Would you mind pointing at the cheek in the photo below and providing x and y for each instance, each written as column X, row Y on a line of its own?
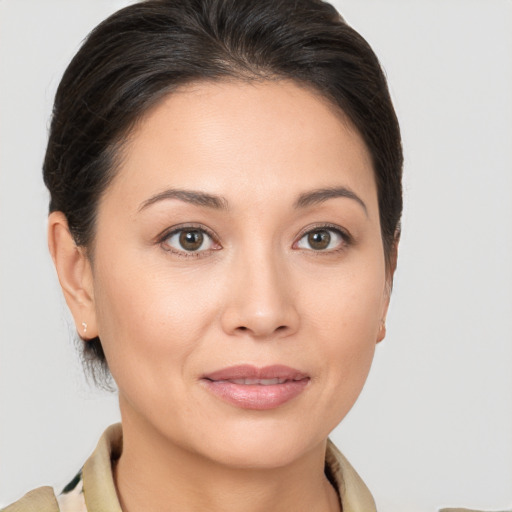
column 350, row 342
column 347, row 320
column 351, row 304
column 149, row 318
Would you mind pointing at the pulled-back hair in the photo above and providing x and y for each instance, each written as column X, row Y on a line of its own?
column 145, row 51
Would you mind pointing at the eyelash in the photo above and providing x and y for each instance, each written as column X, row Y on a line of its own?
column 184, row 228
column 347, row 239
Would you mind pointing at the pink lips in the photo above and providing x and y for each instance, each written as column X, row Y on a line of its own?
column 249, row 387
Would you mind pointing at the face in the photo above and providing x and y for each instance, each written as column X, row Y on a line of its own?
column 238, row 279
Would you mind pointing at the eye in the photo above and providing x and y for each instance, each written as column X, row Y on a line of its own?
column 189, row 240
column 323, row 239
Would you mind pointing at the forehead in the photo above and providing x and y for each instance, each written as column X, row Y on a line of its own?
column 269, row 137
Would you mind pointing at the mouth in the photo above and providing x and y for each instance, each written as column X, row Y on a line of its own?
column 249, row 387
column 259, row 382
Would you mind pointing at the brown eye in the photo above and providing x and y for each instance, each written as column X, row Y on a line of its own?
column 189, row 240
column 319, row 240
column 322, row 239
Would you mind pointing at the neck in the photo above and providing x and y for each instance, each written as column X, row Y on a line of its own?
column 155, row 474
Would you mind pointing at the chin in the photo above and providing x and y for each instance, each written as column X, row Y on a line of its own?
column 261, row 445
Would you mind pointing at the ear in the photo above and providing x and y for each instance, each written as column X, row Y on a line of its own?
column 75, row 275
column 390, row 272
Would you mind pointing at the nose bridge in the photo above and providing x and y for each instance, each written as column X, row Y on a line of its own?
column 262, row 301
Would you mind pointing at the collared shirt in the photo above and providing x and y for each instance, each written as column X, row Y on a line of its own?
column 93, row 489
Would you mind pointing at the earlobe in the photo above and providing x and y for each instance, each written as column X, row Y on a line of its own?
column 382, row 331
column 75, row 274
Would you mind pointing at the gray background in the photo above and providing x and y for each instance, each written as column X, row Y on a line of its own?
column 433, row 426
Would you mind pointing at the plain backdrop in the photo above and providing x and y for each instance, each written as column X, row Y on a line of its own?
column 433, row 426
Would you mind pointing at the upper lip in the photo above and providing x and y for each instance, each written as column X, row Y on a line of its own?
column 247, row 371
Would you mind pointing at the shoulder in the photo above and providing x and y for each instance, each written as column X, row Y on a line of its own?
column 44, row 499
column 41, row 499
column 97, row 471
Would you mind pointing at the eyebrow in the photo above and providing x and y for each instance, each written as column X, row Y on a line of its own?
column 221, row 203
column 323, row 194
column 188, row 196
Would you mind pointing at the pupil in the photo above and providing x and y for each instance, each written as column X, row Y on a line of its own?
column 319, row 239
column 191, row 240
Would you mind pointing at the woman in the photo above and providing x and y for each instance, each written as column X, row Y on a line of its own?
column 440, row 385
column 225, row 181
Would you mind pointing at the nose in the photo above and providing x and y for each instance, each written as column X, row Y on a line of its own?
column 261, row 302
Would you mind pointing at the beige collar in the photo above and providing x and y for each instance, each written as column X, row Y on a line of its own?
column 355, row 496
column 100, row 492
column 98, row 480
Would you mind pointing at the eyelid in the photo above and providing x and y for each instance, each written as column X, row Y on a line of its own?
column 167, row 233
column 192, row 226
column 345, row 235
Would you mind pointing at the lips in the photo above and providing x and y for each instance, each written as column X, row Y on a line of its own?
column 249, row 387
column 261, row 382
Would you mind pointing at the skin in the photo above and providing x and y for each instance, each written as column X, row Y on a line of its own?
column 258, row 293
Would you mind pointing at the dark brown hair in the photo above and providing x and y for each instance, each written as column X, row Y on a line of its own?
column 146, row 50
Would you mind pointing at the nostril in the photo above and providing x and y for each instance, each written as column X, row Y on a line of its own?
column 243, row 328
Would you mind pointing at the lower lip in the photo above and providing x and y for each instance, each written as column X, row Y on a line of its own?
column 257, row 397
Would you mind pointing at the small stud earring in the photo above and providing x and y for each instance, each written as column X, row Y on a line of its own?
column 84, row 325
